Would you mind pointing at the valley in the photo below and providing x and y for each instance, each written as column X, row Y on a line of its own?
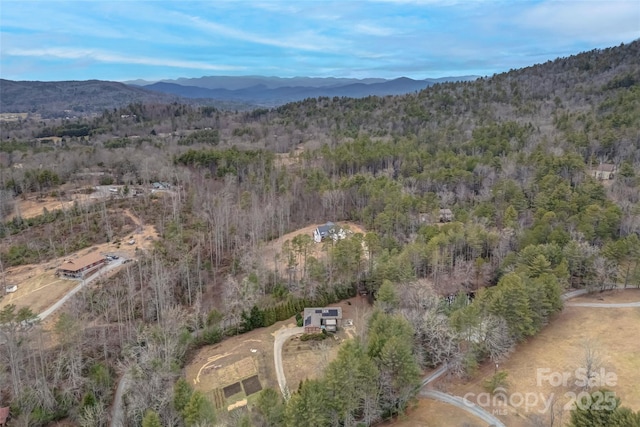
column 462, row 213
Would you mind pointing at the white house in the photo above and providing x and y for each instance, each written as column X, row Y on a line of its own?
column 328, row 230
column 605, row 171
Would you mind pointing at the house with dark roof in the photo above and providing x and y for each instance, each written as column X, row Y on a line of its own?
column 80, row 267
column 604, row 171
column 316, row 319
column 328, row 231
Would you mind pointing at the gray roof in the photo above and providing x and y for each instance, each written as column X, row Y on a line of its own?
column 313, row 316
column 326, row 228
column 606, row 167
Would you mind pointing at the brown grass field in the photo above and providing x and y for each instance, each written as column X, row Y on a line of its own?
column 559, row 347
column 436, row 414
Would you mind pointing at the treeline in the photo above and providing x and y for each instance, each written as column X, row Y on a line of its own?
column 258, row 317
column 228, row 162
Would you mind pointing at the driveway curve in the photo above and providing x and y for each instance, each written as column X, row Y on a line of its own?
column 464, row 404
column 281, row 336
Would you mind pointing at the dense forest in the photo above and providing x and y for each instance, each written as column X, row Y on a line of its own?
column 514, row 157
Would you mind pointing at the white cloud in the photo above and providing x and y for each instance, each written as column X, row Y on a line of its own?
column 373, row 30
column 102, row 56
column 307, row 40
column 602, row 22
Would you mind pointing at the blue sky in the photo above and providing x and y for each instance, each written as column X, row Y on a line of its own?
column 126, row 40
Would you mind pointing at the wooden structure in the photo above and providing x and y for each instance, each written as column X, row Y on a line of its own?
column 81, row 267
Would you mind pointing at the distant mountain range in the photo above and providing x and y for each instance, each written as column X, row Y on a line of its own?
column 68, row 98
column 273, row 91
column 81, row 98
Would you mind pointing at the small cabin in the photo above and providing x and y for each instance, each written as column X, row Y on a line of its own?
column 604, row 171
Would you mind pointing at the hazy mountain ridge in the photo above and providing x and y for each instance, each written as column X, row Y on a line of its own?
column 86, row 97
column 274, row 91
column 272, row 82
column 72, row 97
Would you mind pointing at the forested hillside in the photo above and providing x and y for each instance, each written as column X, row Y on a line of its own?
column 513, row 156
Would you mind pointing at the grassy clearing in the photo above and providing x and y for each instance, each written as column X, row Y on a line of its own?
column 558, row 348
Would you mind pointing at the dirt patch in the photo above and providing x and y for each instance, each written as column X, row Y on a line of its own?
column 273, row 258
column 232, row 389
column 251, row 385
column 35, row 205
column 288, row 160
column 559, row 348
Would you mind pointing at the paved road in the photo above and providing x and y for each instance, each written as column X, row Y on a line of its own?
column 463, row 404
column 603, row 304
column 281, row 336
column 82, row 284
column 573, row 294
column 434, row 375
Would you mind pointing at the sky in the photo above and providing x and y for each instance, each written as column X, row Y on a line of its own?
column 124, row 40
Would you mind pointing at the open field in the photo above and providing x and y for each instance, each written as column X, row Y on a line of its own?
column 560, row 348
column 35, row 204
column 436, row 414
column 274, row 248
